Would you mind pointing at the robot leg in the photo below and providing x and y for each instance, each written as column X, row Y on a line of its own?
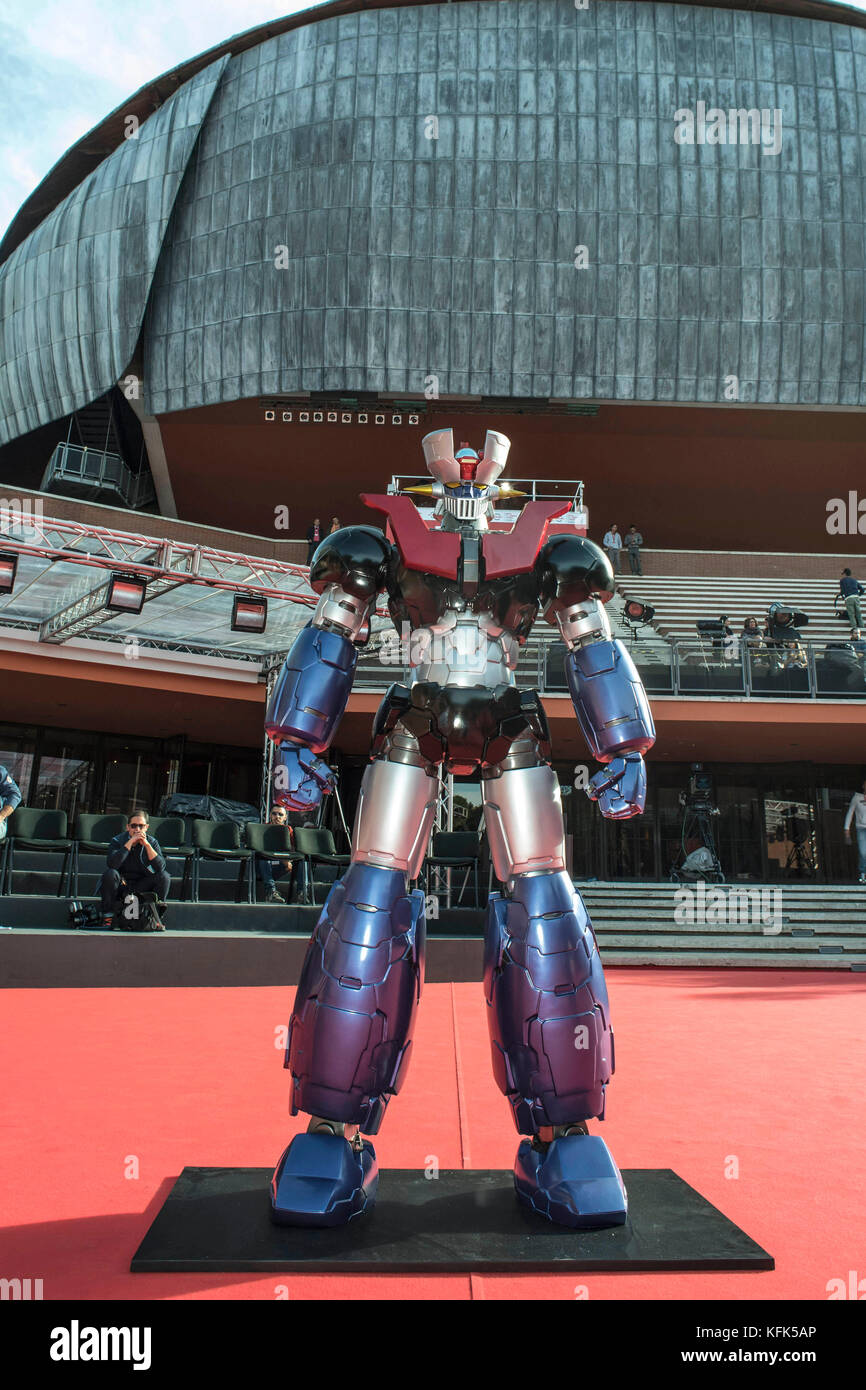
column 548, row 1015
column 350, row 1035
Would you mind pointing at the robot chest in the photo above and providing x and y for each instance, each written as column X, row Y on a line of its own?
column 509, row 605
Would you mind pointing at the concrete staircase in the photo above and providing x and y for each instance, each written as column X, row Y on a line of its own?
column 681, row 600
column 817, row 926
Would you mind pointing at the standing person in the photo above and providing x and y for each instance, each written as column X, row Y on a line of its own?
column 633, row 543
column 314, row 535
column 267, row 869
column 134, row 861
column 851, row 589
column 613, row 545
column 10, row 796
column 857, row 813
column 336, row 525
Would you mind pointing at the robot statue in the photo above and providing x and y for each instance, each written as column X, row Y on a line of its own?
column 469, row 596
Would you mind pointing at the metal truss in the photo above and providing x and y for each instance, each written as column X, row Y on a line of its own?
column 156, row 644
column 164, row 564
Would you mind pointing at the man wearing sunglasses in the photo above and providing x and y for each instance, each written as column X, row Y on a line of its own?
column 135, row 865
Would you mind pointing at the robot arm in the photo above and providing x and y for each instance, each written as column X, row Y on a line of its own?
column 607, row 693
column 611, row 707
column 312, row 691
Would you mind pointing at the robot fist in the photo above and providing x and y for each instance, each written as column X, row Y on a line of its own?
column 300, row 778
column 620, row 789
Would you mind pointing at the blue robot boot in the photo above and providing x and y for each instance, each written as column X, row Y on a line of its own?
column 552, row 1048
column 324, row 1178
column 571, row 1179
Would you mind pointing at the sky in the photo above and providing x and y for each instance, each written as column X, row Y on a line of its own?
column 65, row 64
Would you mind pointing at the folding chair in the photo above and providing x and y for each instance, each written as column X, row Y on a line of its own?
column 316, row 847
column 220, row 840
column 170, row 832
column 92, row 836
column 271, row 842
column 455, row 849
column 45, row 831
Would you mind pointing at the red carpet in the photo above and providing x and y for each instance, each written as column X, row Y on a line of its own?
column 760, row 1072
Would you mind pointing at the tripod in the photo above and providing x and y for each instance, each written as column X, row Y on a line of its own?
column 698, row 825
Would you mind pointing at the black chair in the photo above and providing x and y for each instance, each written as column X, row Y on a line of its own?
column 271, row 842
column 220, row 840
column 316, row 847
column 455, row 849
column 92, row 836
column 170, row 833
column 4, row 855
column 43, row 831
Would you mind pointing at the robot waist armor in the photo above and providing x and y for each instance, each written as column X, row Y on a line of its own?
column 466, row 727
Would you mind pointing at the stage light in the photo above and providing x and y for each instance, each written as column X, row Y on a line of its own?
column 346, row 417
column 380, row 419
column 270, row 415
column 8, row 567
column 318, row 417
column 414, row 419
column 396, row 419
column 249, row 614
column 784, row 622
column 363, row 418
column 126, row 593
column 304, row 417
column 287, row 415
column 639, row 612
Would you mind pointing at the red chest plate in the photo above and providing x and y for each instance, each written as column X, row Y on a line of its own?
column 438, row 552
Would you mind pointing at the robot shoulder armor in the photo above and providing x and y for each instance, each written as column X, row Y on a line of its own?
column 571, row 568
column 356, row 557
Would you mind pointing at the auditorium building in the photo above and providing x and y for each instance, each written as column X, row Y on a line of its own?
column 630, row 236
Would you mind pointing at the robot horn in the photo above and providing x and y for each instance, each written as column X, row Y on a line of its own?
column 439, row 455
column 496, row 447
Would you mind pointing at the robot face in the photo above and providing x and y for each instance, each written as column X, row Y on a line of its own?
column 466, row 501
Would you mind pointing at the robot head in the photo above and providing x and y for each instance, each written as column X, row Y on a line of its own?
column 465, row 480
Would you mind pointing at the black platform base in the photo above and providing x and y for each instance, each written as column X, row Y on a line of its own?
column 218, row 1219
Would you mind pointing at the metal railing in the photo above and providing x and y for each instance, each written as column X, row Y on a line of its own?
column 535, row 490
column 805, row 670
column 94, row 471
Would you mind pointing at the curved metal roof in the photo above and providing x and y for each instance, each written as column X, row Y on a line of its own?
column 84, row 156
column 322, row 239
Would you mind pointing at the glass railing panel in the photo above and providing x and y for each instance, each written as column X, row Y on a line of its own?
column 840, row 670
column 780, row 670
column 655, row 664
column 708, row 668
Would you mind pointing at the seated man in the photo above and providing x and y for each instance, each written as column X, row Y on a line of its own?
column 135, row 865
column 268, row 869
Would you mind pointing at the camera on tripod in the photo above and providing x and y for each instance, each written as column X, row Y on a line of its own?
column 714, row 630
column 698, row 804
